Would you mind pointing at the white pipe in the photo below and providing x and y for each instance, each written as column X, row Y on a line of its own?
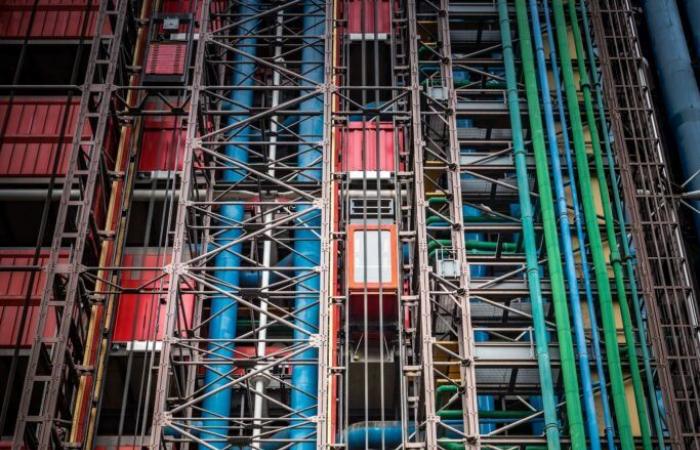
column 260, row 382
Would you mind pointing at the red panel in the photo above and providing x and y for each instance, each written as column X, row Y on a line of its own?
column 141, row 315
column 33, row 135
column 13, row 285
column 388, row 305
column 53, row 19
column 13, row 288
column 245, row 352
column 359, row 146
column 194, row 7
column 359, row 10
column 163, row 142
column 166, row 58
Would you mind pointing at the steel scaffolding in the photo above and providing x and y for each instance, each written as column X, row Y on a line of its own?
column 279, row 198
column 304, row 124
column 659, row 252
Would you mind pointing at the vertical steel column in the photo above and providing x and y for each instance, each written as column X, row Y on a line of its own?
column 160, row 416
column 53, row 371
column 470, row 414
column 299, row 204
column 423, row 270
column 669, row 302
column 459, row 294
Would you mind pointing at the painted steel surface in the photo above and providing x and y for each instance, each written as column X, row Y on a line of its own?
column 13, row 290
column 360, row 143
column 33, row 135
column 53, row 19
column 141, row 316
column 369, row 16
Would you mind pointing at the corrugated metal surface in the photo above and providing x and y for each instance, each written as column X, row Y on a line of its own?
column 13, row 288
column 360, row 11
column 359, row 146
column 163, row 143
column 194, row 7
column 13, row 285
column 33, row 137
column 166, row 58
column 141, row 315
column 53, row 19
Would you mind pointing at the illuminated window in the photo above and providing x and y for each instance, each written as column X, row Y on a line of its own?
column 372, row 256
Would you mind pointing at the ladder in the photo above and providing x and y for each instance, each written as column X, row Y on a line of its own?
column 53, row 371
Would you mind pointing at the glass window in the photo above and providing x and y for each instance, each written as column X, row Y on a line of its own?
column 372, row 250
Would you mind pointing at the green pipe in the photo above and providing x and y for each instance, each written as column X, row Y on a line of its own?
column 551, row 236
column 468, row 219
column 528, row 224
column 507, row 247
column 596, row 245
column 628, row 327
column 629, row 265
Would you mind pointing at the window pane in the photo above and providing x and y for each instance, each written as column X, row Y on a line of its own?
column 372, row 248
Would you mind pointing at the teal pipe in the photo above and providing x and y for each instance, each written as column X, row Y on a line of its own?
column 596, row 244
column 528, row 224
column 549, row 223
column 627, row 251
column 565, row 234
column 595, row 338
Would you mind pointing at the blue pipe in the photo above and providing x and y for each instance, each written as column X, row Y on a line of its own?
column 224, row 311
column 607, row 416
column 251, row 278
column 306, row 243
column 564, row 233
column 679, row 87
column 484, row 402
column 692, row 12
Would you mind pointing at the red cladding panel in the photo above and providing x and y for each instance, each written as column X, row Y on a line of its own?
column 141, row 315
column 166, row 58
column 53, row 19
column 359, row 146
column 362, row 13
column 388, row 305
column 33, row 135
column 163, row 143
column 13, row 289
column 13, row 285
column 195, row 7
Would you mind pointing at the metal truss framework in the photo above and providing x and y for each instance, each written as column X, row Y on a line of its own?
column 55, row 364
column 279, row 198
column 115, row 137
column 429, row 42
column 662, row 263
column 445, row 319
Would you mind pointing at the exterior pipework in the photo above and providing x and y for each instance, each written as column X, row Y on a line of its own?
column 596, row 244
column 307, row 246
column 615, row 257
column 586, row 277
column 620, row 214
column 549, row 223
column 692, row 12
column 528, row 225
column 679, row 87
column 224, row 311
column 564, row 231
